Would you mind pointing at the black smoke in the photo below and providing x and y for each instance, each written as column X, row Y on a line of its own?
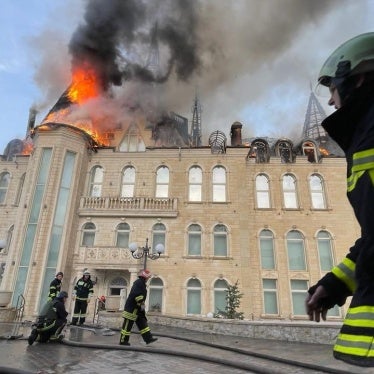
column 113, row 29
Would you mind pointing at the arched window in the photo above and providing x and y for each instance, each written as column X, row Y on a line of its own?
column 317, row 192
column 259, row 150
column 309, row 149
column 220, row 240
column 117, row 294
column 162, row 182
column 289, row 192
column 262, row 191
column 156, row 287
column 270, row 296
column 267, row 250
column 325, row 250
column 193, row 296
column 96, row 181
column 220, row 293
column 116, row 286
column 195, row 182
column 20, row 188
column 283, row 149
column 4, row 184
column 158, row 234
column 123, row 235
column 219, row 184
column 194, row 240
column 128, row 182
column 88, row 234
column 296, row 250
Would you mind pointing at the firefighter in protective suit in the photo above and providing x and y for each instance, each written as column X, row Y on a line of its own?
column 51, row 321
column 135, row 310
column 349, row 74
column 55, row 286
column 82, row 293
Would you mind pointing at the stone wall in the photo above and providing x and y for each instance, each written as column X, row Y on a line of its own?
column 306, row 332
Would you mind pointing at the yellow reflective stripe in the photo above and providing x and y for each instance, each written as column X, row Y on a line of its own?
column 356, row 345
column 139, row 298
column 361, row 316
column 345, row 271
column 371, row 175
column 352, row 180
column 129, row 315
column 146, row 329
column 363, row 160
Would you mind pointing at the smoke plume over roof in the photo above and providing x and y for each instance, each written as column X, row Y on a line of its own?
column 234, row 53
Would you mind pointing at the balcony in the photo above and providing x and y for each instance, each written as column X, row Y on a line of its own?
column 128, row 206
column 106, row 257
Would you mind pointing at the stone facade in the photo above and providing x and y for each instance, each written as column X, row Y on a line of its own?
column 114, row 269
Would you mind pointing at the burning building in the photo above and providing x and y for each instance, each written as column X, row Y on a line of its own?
column 265, row 212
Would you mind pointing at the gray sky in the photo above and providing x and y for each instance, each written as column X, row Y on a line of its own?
column 258, row 59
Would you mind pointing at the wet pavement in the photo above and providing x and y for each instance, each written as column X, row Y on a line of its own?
column 93, row 350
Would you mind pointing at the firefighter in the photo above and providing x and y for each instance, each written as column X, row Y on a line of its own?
column 349, row 74
column 83, row 291
column 55, row 286
column 135, row 311
column 51, row 321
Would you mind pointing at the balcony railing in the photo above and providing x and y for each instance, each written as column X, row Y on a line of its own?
column 129, row 206
column 106, row 256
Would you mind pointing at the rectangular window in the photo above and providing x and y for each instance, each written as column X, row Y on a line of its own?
column 299, row 289
column 270, row 296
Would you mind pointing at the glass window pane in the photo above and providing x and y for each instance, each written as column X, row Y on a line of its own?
column 325, row 251
column 194, row 244
column 270, row 296
column 195, row 193
column 219, row 175
column 220, row 301
column 263, row 200
column 299, row 289
column 220, row 245
column 127, row 190
column 122, row 239
column 290, row 201
column 219, row 193
column 267, row 253
column 193, row 302
column 155, row 299
column 163, row 175
column 162, row 190
column 195, row 175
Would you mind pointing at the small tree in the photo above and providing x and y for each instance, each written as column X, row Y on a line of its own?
column 233, row 297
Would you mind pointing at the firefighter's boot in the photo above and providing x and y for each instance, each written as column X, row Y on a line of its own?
column 124, row 340
column 33, row 336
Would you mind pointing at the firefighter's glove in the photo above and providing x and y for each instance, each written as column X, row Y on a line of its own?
column 317, row 303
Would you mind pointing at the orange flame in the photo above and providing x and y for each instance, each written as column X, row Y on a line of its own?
column 27, row 147
column 85, row 84
column 323, row 151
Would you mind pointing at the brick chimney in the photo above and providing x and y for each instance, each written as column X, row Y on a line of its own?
column 236, row 134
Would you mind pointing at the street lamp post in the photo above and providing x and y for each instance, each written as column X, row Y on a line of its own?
column 139, row 252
